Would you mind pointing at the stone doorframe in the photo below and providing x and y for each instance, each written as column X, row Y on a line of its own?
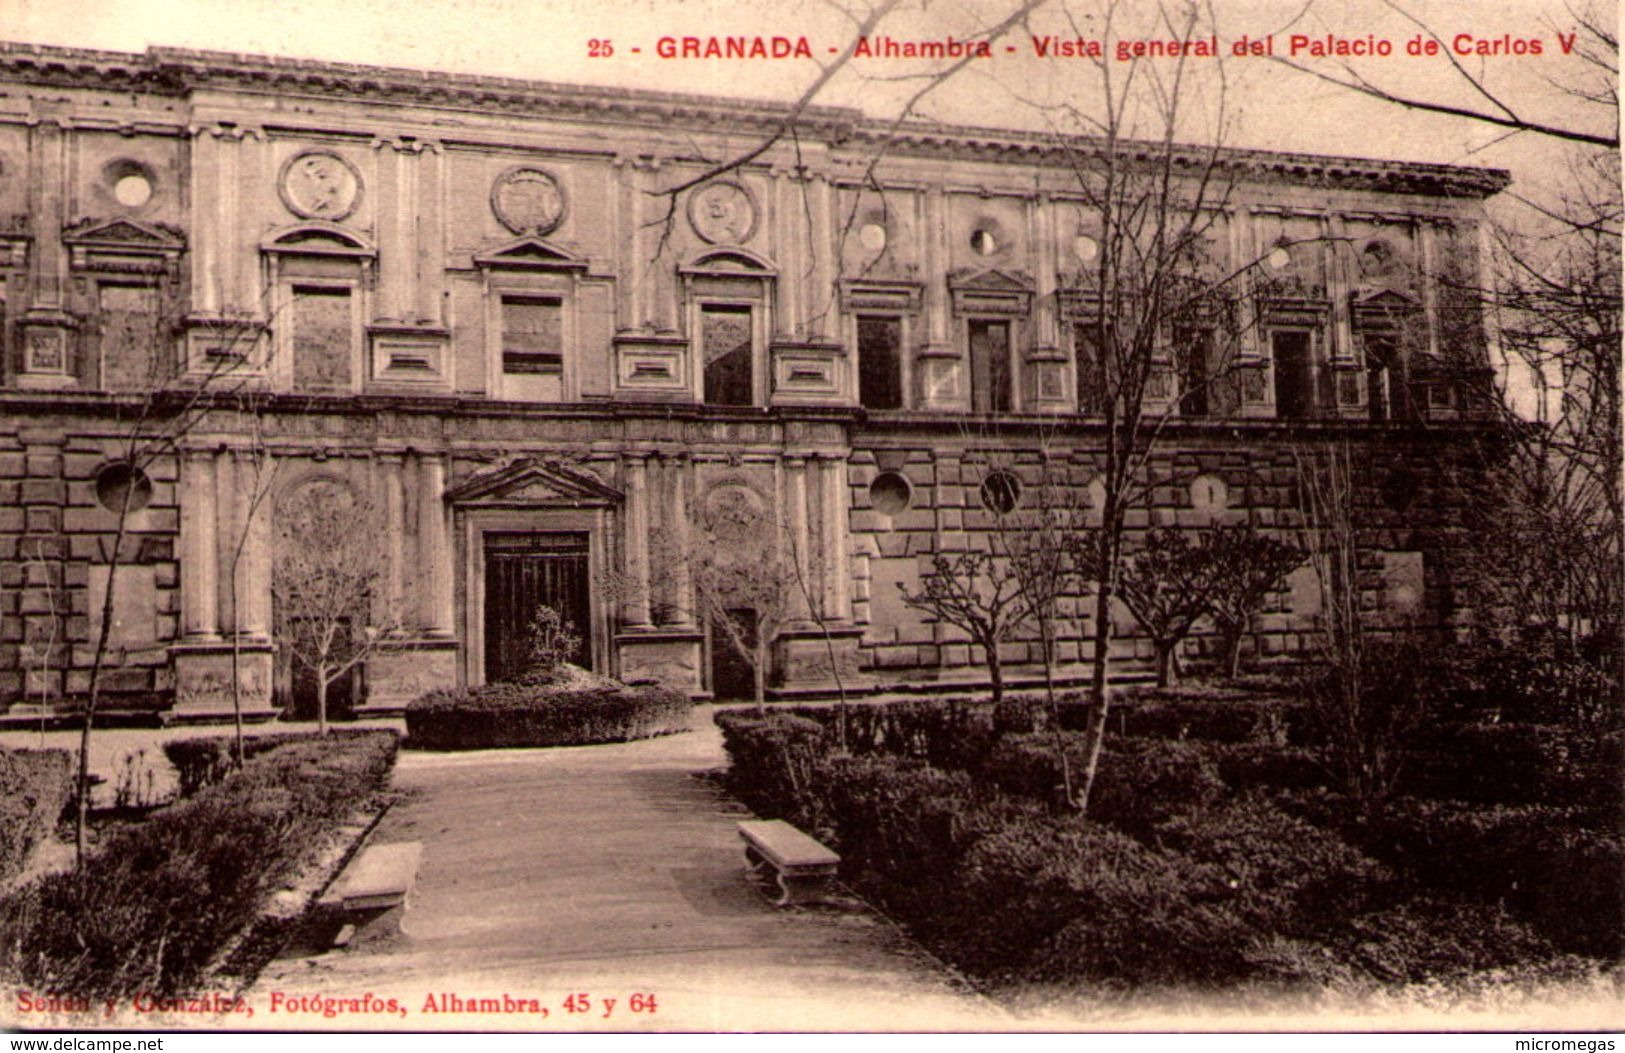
column 529, row 496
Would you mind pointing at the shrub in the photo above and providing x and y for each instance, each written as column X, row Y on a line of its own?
column 1541, row 861
column 1435, row 939
column 505, row 715
column 34, row 785
column 1281, row 873
column 1258, row 766
column 950, row 733
column 1137, row 783
column 1510, row 763
column 771, row 761
column 202, row 762
column 1167, row 715
column 160, row 899
column 1069, row 900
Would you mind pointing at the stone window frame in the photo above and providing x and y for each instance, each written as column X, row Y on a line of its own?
column 736, row 278
column 531, row 284
column 318, row 255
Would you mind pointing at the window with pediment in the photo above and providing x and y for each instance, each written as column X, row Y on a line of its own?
column 730, row 298
column 532, row 290
column 321, row 279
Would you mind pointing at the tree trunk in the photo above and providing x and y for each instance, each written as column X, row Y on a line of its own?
column 321, row 700
column 82, row 812
column 758, row 673
column 1094, row 732
column 1167, row 671
column 1232, row 651
column 996, row 671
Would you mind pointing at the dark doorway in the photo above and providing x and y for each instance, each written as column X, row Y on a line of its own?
column 731, row 675
column 990, row 367
column 524, row 571
column 1294, row 374
column 341, row 693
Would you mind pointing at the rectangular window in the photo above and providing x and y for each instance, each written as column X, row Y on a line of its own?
column 532, row 335
column 323, row 339
column 1091, row 374
column 727, row 336
column 127, row 317
column 880, row 375
column 1380, row 355
column 1194, row 348
column 990, row 366
column 1294, row 373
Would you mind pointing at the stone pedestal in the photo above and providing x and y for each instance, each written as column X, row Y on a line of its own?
column 401, row 673
column 203, row 680
column 668, row 655
column 802, row 657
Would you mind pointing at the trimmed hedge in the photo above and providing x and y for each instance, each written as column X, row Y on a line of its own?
column 160, row 899
column 201, row 762
column 1558, row 868
column 1183, row 872
column 34, row 787
column 504, row 715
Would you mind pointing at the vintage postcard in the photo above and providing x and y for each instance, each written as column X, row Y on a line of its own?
column 877, row 515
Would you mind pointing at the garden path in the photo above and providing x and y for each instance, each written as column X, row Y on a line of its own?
column 613, row 871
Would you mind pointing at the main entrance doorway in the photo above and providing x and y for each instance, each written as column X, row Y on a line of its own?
column 524, row 571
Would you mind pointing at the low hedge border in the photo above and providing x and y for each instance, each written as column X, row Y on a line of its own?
column 498, row 716
column 34, row 787
column 202, row 762
column 160, row 899
column 1175, row 877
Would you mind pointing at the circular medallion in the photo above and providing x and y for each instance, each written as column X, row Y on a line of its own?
column 319, row 184
column 722, row 212
column 734, row 513
column 528, row 200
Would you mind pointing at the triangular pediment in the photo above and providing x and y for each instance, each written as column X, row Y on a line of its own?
column 1383, row 296
column 992, row 279
column 529, row 482
column 531, row 251
column 125, row 233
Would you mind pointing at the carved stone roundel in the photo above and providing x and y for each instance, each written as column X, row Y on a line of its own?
column 319, row 184
column 528, row 200
column 722, row 213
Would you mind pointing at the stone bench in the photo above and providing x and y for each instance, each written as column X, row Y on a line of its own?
column 373, row 886
column 803, row 867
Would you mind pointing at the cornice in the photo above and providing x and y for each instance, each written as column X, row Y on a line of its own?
column 178, row 72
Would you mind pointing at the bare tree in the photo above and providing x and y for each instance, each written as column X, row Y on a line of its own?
column 173, row 402
column 979, row 592
column 1168, row 583
column 1586, row 91
column 1157, row 296
column 1244, row 568
column 326, row 574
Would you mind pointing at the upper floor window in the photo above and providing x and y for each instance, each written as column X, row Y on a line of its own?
column 1193, row 349
column 990, row 381
column 129, row 336
column 1293, row 354
column 324, row 341
column 880, row 364
column 728, row 341
column 532, row 336
column 1091, row 371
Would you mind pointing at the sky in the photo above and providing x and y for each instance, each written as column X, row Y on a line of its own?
column 1267, row 105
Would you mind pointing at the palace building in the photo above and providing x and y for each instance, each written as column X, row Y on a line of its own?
column 473, row 305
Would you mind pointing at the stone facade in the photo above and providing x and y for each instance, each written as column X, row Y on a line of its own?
column 465, row 301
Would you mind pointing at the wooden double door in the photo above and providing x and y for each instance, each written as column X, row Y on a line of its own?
column 523, row 572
